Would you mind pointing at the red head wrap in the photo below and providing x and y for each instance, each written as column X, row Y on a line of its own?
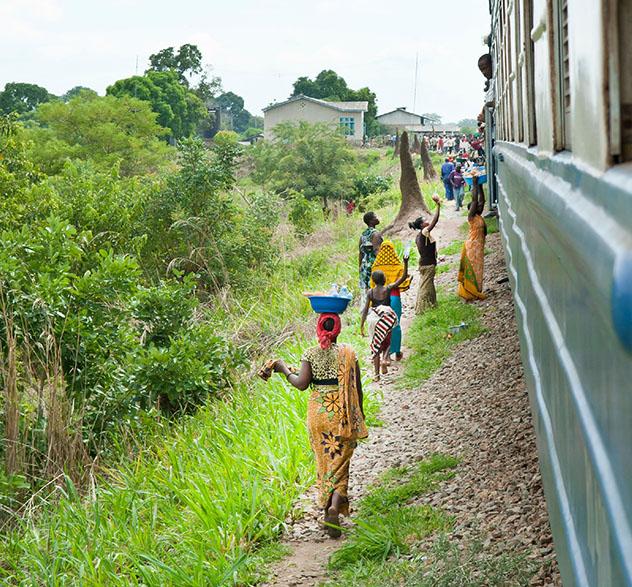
column 326, row 337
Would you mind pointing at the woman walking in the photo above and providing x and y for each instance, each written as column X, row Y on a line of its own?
column 388, row 263
column 335, row 416
column 370, row 242
column 473, row 255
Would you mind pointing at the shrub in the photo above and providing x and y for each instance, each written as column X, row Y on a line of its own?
column 303, row 215
column 365, row 185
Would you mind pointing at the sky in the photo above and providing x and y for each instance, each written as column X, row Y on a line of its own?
column 258, row 47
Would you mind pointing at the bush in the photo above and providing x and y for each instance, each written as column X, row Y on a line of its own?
column 312, row 159
column 195, row 366
column 303, row 215
column 365, row 185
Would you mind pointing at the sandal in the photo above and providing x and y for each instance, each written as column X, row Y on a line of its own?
column 332, row 523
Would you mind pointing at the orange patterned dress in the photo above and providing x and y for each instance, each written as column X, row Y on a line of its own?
column 472, row 261
column 334, row 418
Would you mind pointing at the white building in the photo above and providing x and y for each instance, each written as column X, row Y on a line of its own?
column 400, row 120
column 347, row 115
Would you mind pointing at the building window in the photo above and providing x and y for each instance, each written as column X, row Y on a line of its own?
column 347, row 124
column 563, row 138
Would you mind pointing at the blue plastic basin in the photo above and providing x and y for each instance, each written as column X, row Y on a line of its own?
column 328, row 304
column 482, row 177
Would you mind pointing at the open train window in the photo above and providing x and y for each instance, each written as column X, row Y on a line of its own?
column 563, row 138
column 527, row 20
column 620, row 76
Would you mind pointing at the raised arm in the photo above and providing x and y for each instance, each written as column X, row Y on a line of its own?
column 300, row 380
column 403, row 277
column 435, row 218
column 473, row 211
column 481, row 199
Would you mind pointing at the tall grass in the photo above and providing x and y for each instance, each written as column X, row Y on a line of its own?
column 201, row 501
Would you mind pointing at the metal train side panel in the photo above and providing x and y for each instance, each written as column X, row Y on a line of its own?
column 565, row 231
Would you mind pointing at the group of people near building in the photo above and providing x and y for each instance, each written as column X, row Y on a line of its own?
column 336, row 418
column 464, row 145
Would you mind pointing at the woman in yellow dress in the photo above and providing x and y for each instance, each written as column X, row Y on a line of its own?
column 335, row 416
column 473, row 255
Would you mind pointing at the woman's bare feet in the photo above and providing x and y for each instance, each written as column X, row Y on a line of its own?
column 332, row 523
column 399, row 356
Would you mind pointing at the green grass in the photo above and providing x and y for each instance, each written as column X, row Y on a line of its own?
column 201, row 501
column 452, row 249
column 430, row 341
column 387, row 524
column 444, row 565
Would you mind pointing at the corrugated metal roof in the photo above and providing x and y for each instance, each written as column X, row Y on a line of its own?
column 340, row 106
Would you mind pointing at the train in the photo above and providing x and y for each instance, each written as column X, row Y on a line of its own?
column 558, row 130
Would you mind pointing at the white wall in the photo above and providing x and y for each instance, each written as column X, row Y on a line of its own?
column 307, row 111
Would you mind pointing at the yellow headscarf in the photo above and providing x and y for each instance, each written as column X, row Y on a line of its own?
column 388, row 262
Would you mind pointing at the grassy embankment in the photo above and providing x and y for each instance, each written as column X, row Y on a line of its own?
column 200, row 501
column 398, row 541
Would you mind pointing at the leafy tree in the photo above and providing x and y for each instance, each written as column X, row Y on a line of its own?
column 467, row 125
column 178, row 108
column 233, row 105
column 187, row 61
column 197, row 226
column 313, row 160
column 23, row 98
column 77, row 91
column 108, row 130
column 328, row 85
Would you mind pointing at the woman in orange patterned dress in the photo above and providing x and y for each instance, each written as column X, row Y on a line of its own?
column 335, row 417
column 473, row 254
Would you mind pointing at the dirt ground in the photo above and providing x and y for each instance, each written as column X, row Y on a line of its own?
column 474, row 407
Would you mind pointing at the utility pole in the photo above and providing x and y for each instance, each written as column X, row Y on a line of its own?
column 415, row 88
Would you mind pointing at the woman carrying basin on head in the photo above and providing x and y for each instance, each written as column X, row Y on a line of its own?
column 335, row 416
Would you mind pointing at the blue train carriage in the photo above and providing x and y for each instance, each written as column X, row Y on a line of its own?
column 559, row 119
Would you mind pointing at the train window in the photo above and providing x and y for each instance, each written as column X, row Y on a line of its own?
column 529, row 91
column 563, row 138
column 625, row 77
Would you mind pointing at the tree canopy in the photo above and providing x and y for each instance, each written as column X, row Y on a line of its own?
column 233, row 105
column 22, row 98
column 178, row 108
column 107, row 130
column 76, row 91
column 186, row 61
column 328, row 85
column 311, row 159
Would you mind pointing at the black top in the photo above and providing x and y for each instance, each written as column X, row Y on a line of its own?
column 427, row 250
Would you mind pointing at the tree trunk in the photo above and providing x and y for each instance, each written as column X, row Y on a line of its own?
column 412, row 199
column 429, row 170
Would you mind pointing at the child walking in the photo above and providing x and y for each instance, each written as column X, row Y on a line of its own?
column 381, row 318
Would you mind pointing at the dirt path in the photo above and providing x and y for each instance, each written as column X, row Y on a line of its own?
column 475, row 407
